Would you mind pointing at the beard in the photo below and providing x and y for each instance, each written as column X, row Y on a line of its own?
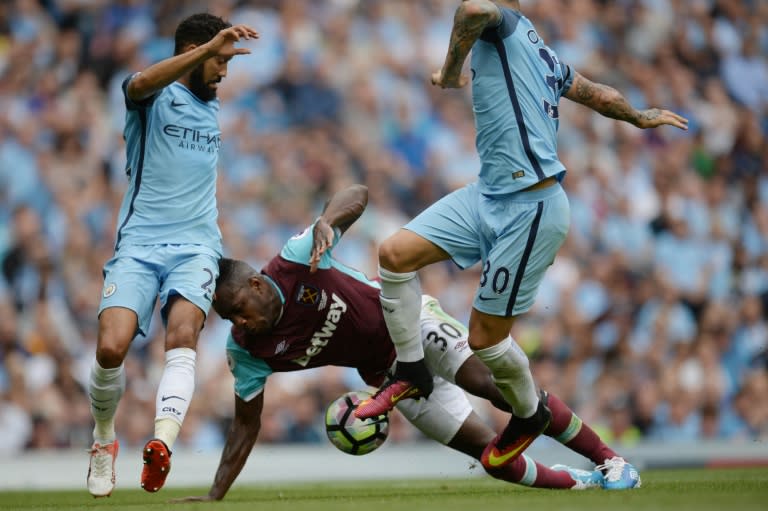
column 199, row 87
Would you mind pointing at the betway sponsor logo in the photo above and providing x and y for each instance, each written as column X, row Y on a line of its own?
column 322, row 336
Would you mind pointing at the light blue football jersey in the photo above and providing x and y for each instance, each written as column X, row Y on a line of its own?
column 172, row 143
column 517, row 82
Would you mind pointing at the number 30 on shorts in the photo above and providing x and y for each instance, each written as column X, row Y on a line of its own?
column 500, row 278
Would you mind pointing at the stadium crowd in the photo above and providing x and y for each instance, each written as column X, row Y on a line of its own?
column 652, row 323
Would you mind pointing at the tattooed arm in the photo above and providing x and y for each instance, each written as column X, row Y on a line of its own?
column 611, row 103
column 471, row 18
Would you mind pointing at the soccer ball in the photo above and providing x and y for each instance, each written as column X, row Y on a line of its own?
column 350, row 434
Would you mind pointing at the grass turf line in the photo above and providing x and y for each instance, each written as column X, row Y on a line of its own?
column 678, row 490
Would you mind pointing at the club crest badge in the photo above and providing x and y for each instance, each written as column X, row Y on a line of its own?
column 109, row 289
column 307, row 295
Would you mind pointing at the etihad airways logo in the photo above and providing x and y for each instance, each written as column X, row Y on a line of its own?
column 321, row 337
column 193, row 139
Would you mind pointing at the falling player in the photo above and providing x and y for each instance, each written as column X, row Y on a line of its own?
column 306, row 309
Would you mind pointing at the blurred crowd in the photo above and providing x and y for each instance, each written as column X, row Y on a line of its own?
column 652, row 322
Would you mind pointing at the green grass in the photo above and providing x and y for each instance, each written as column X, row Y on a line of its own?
column 699, row 490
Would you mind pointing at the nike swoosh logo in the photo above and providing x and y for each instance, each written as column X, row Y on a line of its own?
column 497, row 461
column 173, row 103
column 397, row 397
column 166, row 398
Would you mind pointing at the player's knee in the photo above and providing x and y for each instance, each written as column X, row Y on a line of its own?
column 486, row 331
column 181, row 336
column 110, row 354
column 477, row 342
column 481, row 339
column 113, row 343
column 391, row 256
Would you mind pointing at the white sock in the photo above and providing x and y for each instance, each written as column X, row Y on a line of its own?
column 105, row 388
column 512, row 375
column 167, row 430
column 401, row 303
column 174, row 393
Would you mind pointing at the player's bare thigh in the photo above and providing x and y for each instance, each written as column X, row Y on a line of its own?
column 117, row 328
column 474, row 377
column 406, row 251
column 472, row 437
column 185, row 321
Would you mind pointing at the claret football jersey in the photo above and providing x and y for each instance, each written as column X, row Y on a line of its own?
column 330, row 317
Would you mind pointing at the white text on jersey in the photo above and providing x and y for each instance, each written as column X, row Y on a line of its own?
column 322, row 336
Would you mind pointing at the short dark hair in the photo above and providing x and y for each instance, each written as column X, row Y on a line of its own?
column 233, row 273
column 197, row 29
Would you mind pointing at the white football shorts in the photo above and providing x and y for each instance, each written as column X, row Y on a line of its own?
column 445, row 350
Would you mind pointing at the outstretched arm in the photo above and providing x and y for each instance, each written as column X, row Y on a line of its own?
column 242, row 435
column 341, row 211
column 611, row 103
column 471, row 18
column 345, row 207
column 159, row 75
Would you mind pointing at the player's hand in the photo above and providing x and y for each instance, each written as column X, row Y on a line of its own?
column 655, row 117
column 448, row 83
column 222, row 44
column 199, row 498
column 322, row 239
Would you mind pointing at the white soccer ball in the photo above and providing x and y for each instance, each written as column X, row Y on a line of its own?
column 350, row 434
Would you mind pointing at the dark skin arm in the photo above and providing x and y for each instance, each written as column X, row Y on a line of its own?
column 341, row 211
column 471, row 19
column 240, row 440
column 344, row 208
column 611, row 103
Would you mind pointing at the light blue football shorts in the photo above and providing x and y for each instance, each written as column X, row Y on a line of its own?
column 137, row 274
column 515, row 236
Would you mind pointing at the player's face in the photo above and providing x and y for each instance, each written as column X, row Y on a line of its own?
column 248, row 307
column 205, row 78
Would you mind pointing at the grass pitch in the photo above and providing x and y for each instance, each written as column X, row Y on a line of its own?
column 678, row 490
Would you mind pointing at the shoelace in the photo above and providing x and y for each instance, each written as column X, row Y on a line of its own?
column 614, row 467
column 102, row 462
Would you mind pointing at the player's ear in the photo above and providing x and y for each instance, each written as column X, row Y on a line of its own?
column 255, row 282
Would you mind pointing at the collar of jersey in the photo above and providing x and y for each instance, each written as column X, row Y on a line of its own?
column 192, row 95
column 279, row 293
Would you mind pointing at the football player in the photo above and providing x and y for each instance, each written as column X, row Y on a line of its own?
column 305, row 309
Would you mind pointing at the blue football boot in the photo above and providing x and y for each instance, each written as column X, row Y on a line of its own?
column 619, row 474
column 585, row 479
